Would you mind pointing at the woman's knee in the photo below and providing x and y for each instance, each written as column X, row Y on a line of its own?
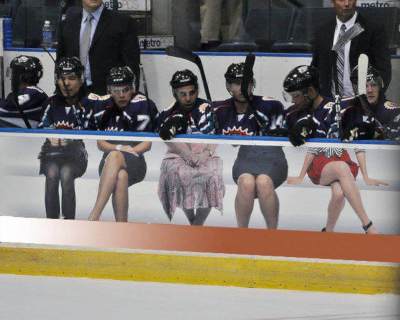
column 122, row 175
column 264, row 184
column 115, row 156
column 246, row 183
column 338, row 195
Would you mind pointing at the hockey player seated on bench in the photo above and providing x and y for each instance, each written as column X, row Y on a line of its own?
column 25, row 74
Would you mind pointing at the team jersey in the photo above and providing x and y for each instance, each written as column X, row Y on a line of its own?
column 387, row 113
column 198, row 119
column 231, row 122
column 31, row 100
column 105, row 115
column 323, row 116
column 59, row 115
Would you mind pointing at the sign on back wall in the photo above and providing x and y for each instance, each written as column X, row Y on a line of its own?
column 130, row 5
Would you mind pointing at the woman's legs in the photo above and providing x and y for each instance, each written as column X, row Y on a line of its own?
column 109, row 176
column 336, row 205
column 268, row 199
column 340, row 171
column 120, row 197
column 201, row 216
column 51, row 197
column 244, row 201
column 68, row 201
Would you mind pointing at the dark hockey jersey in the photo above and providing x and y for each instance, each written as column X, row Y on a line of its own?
column 59, row 115
column 387, row 113
column 231, row 122
column 31, row 100
column 198, row 119
column 323, row 116
column 106, row 116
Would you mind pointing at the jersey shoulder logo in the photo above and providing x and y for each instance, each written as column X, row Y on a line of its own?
column 23, row 98
column 138, row 98
column 329, row 105
column 93, row 96
column 391, row 105
column 236, row 132
column 203, row 107
column 169, row 107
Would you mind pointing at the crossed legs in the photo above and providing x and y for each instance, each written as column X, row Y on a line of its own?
column 113, row 181
column 339, row 175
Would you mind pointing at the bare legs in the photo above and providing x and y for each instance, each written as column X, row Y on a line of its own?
column 248, row 185
column 339, row 171
column 54, row 175
column 113, row 180
column 198, row 218
column 335, row 207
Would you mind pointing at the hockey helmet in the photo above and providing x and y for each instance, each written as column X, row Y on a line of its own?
column 184, row 78
column 301, row 78
column 31, row 68
column 373, row 75
column 120, row 76
column 68, row 65
column 235, row 72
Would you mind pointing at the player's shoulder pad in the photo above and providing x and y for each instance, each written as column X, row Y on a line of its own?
column 35, row 89
column 138, row 98
column 391, row 105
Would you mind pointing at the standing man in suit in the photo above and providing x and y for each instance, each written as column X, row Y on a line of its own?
column 372, row 41
column 103, row 39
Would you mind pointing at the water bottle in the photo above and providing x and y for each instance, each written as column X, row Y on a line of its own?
column 7, row 30
column 47, row 35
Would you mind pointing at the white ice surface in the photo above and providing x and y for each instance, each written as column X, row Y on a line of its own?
column 28, row 297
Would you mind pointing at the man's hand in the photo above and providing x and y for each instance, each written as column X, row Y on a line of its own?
column 174, row 125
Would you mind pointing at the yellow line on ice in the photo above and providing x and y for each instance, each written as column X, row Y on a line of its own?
column 206, row 270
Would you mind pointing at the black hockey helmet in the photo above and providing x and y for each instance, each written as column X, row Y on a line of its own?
column 31, row 68
column 301, row 78
column 235, row 72
column 373, row 75
column 68, row 65
column 184, row 78
column 120, row 76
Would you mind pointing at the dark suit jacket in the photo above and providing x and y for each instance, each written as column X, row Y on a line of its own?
column 114, row 44
column 373, row 42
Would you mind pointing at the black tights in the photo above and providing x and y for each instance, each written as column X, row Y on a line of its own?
column 56, row 172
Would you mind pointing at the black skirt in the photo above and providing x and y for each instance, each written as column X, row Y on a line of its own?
column 135, row 167
column 257, row 160
column 73, row 154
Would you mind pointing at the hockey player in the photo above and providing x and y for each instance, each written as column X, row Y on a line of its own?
column 64, row 160
column 123, row 163
column 371, row 116
column 312, row 115
column 31, row 98
column 191, row 173
column 258, row 170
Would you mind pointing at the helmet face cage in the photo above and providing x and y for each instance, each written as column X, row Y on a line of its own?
column 69, row 65
column 32, row 69
column 300, row 78
column 182, row 79
column 373, row 77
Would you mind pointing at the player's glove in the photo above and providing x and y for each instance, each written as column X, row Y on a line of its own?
column 301, row 131
column 278, row 132
column 173, row 126
column 361, row 131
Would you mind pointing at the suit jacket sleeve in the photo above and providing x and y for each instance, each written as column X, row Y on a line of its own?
column 131, row 49
column 380, row 55
column 60, row 41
